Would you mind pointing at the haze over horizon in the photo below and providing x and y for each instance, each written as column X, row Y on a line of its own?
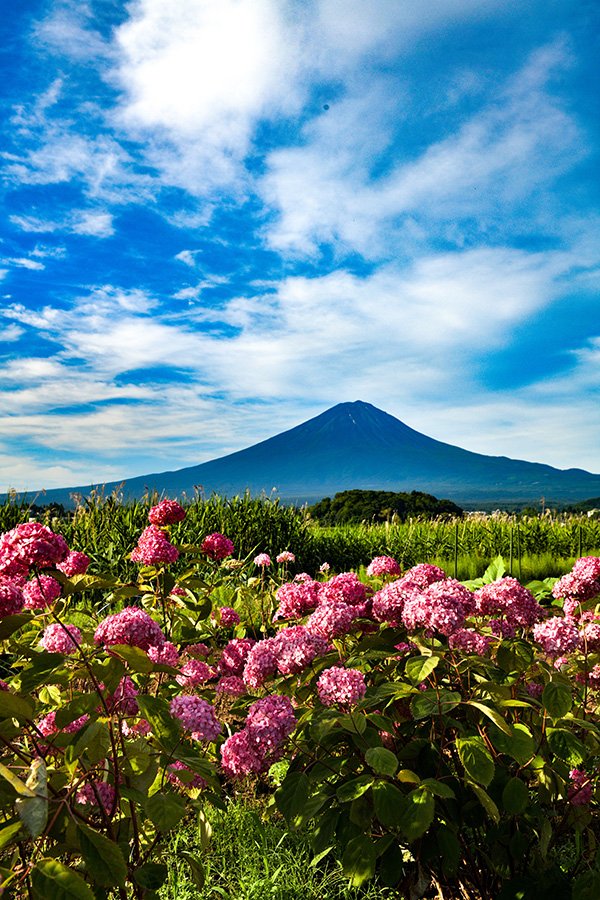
column 224, row 216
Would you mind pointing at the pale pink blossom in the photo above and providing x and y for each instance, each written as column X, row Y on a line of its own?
column 193, row 673
column 58, row 638
column 41, row 591
column 556, row 636
column 331, row 620
column 286, row 556
column 263, row 560
column 130, row 626
column 383, row 565
column 341, row 687
column 164, row 654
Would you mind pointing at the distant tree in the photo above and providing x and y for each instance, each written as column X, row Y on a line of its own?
column 380, row 506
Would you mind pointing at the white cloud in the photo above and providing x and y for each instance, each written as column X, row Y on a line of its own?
column 25, row 263
column 10, row 333
column 91, row 222
column 188, row 257
column 96, row 224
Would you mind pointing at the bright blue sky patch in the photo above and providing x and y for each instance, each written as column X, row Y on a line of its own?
column 223, row 216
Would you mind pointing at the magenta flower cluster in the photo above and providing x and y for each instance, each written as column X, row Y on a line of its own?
column 216, row 546
column 383, row 565
column 263, row 560
column 227, row 617
column 59, row 638
column 30, row 545
column 154, row 548
column 341, row 687
column 580, row 788
column 40, row 592
column 580, row 584
column 557, row 636
column 75, row 563
column 167, row 512
column 259, row 744
column 131, row 626
column 196, row 716
column 11, row 596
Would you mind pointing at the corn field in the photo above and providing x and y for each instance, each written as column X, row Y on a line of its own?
column 533, row 546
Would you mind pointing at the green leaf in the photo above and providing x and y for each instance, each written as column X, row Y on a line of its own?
column 492, row 714
column 587, row 886
column 196, row 868
column 292, row 795
column 79, row 706
column 486, row 801
column 8, row 834
column 354, row 788
column 428, row 703
column 382, row 761
column 151, row 875
column 417, row 814
column 515, row 796
column 495, row 570
column 10, row 624
column 164, row 726
column 439, row 788
column 514, row 656
column 103, row 858
column 476, row 759
column 418, row 668
column 15, row 782
column 42, row 666
column 14, row 707
column 136, row 659
column 566, row 746
column 557, row 699
column 359, row 859
column 94, row 742
column 51, row 880
column 520, row 746
column 33, row 811
column 165, row 810
column 389, row 803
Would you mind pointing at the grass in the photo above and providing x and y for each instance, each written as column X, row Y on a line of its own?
column 253, row 859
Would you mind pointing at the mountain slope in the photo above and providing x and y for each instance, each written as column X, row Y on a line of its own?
column 356, row 445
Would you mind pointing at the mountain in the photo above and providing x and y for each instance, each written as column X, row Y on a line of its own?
column 356, row 445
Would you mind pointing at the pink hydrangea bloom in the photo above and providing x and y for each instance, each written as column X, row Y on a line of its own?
column 383, row 565
column 341, row 687
column 297, row 598
column 61, row 638
column 424, row 574
column 324, row 568
column 193, row 673
column 197, row 716
column 556, row 636
column 216, row 546
column 263, row 560
column 470, row 641
column 388, row 603
column 234, row 656
column 440, row 607
column 232, row 685
column 154, row 548
column 167, row 512
column 343, row 588
column 509, row 598
column 182, row 776
column 47, row 725
column 30, row 544
column 122, row 702
column 503, row 628
column 88, row 795
column 131, row 626
column 286, row 556
column 261, row 663
column 296, row 648
column 590, row 636
column 580, row 788
column 227, row 617
column 75, row 563
column 534, row 689
column 270, row 721
column 582, row 582
column 241, row 756
column 165, row 654
column 331, row 620
column 41, row 592
column 11, row 597
column 141, row 728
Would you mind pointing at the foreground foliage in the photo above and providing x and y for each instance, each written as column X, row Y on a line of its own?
column 441, row 736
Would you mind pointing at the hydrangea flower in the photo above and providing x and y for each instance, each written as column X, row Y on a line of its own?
column 131, row 626
column 167, row 512
column 331, row 620
column 424, row 574
column 383, row 565
column 286, row 556
column 580, row 788
column 122, row 702
column 227, row 617
column 88, row 795
column 556, row 636
column 181, row 775
column 197, row 716
column 259, row 744
column 193, row 673
column 261, row 663
column 165, row 654
column 216, row 546
column 296, row 648
column 343, row 588
column 341, row 687
column 75, row 563
column 296, row 599
column 581, row 583
column 30, row 544
column 61, row 638
column 470, row 641
column 11, row 597
column 41, row 591
column 232, row 685
column 234, row 656
column 509, row 598
column 263, row 560
column 388, row 603
column 154, row 548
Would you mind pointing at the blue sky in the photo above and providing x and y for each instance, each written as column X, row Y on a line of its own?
column 221, row 217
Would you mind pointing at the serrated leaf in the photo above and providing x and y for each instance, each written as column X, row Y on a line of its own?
column 439, row 788
column 151, row 875
column 33, row 811
column 486, row 801
column 359, row 859
column 196, row 868
column 9, row 833
column 10, row 624
column 382, row 761
column 79, row 706
column 418, row 668
column 520, row 746
column 476, row 759
column 557, row 699
column 566, row 746
column 164, row 727
column 389, row 803
column 417, row 814
column 51, row 880
column 495, row 570
column 292, row 795
column 94, row 742
column 39, row 671
column 515, row 796
column 103, row 858
column 514, row 656
column 136, row 659
column 15, row 782
column 165, row 810
column 14, row 707
column 492, row 714
column 434, row 703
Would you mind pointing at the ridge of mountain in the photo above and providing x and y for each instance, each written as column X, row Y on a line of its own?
column 357, row 445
